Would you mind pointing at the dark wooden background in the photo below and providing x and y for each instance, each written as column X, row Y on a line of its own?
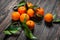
column 40, row 31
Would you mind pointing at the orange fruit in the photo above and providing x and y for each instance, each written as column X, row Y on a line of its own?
column 22, row 9
column 48, row 17
column 29, row 4
column 30, row 12
column 40, row 11
column 30, row 24
column 15, row 16
column 23, row 16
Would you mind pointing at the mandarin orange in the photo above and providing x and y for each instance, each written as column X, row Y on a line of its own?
column 30, row 24
column 23, row 16
column 40, row 11
column 30, row 12
column 48, row 17
column 15, row 16
column 22, row 9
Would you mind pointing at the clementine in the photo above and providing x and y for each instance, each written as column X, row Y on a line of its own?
column 48, row 17
column 30, row 24
column 23, row 16
column 40, row 11
column 15, row 16
column 30, row 12
column 22, row 9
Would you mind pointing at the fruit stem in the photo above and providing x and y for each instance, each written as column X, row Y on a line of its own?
column 27, row 31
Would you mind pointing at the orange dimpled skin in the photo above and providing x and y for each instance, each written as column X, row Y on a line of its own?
column 22, row 9
column 30, row 24
column 23, row 16
column 30, row 12
column 40, row 11
column 15, row 16
column 48, row 17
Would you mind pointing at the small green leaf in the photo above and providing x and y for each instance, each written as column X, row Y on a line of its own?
column 54, row 16
column 7, row 32
column 28, row 32
column 21, row 3
column 38, row 15
column 13, row 28
column 58, row 20
column 14, row 31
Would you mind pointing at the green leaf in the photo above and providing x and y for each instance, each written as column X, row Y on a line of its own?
column 14, row 31
column 13, row 28
column 6, row 32
column 38, row 15
column 21, row 3
column 54, row 16
column 58, row 20
column 28, row 32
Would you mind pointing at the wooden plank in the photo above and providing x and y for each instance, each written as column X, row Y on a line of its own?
column 2, row 35
column 12, row 37
column 5, row 18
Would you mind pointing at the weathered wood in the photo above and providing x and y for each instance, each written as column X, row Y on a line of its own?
column 5, row 17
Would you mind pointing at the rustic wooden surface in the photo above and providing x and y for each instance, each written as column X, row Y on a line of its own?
column 41, row 31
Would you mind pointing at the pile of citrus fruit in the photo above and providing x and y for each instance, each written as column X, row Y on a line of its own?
column 27, row 12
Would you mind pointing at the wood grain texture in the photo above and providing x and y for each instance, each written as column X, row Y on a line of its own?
column 41, row 31
column 5, row 17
